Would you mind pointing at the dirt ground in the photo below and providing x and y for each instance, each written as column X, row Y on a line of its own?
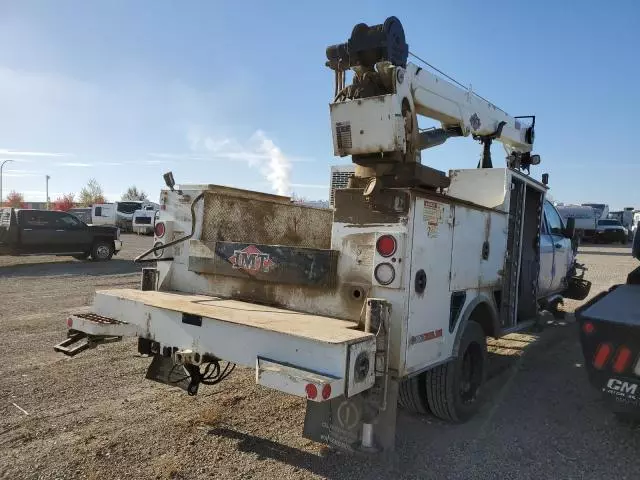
column 94, row 416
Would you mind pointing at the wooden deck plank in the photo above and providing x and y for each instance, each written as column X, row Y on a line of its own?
column 324, row 329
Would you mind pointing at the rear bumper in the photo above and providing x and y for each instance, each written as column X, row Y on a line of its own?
column 288, row 350
column 611, row 235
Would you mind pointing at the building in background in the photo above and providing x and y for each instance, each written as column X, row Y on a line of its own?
column 340, row 175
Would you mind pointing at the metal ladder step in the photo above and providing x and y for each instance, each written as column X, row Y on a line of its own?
column 86, row 330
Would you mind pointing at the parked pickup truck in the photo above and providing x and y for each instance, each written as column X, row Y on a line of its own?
column 29, row 232
column 610, row 230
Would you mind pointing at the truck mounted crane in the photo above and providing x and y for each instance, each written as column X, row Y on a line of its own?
column 386, row 299
column 375, row 118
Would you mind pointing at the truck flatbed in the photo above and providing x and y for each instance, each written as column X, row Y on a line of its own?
column 291, row 351
column 277, row 320
column 621, row 305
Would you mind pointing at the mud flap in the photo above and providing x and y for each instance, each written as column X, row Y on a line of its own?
column 577, row 289
column 354, row 424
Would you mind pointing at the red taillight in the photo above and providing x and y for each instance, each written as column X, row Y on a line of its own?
column 312, row 391
column 588, row 328
column 326, row 391
column 159, row 229
column 69, row 322
column 622, row 360
column 602, row 355
column 386, row 245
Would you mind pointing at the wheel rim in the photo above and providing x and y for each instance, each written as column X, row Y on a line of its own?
column 102, row 251
column 471, row 373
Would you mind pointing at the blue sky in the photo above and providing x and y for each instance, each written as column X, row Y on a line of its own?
column 237, row 93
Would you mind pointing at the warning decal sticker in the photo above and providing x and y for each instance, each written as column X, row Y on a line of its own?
column 432, row 216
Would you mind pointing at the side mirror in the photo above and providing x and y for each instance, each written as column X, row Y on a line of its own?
column 635, row 249
column 535, row 159
column 570, row 229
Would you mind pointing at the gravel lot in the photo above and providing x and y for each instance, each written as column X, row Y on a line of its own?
column 94, row 416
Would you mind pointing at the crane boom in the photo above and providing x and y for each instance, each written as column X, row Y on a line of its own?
column 374, row 119
column 436, row 98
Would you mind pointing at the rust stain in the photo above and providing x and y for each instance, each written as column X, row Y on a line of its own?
column 487, row 226
column 352, row 208
column 295, row 298
column 233, row 218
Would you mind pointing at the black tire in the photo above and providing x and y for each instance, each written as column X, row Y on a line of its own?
column 554, row 308
column 450, row 394
column 84, row 256
column 412, row 395
column 102, row 251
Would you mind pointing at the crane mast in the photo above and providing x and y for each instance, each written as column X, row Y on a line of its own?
column 374, row 119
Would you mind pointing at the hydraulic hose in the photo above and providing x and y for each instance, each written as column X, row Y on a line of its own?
column 139, row 258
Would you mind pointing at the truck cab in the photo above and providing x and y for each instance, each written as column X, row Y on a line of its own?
column 556, row 253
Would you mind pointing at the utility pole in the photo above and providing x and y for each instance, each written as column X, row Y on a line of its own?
column 1, row 166
column 47, row 177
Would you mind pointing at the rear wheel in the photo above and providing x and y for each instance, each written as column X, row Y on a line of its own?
column 413, row 395
column 453, row 388
column 102, row 251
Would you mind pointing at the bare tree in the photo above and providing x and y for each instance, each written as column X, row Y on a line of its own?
column 91, row 194
column 133, row 193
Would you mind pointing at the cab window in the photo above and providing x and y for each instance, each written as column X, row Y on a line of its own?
column 554, row 222
column 38, row 218
column 66, row 220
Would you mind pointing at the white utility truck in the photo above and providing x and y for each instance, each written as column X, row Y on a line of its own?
column 387, row 298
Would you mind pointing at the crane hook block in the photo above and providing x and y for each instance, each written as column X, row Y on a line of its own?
column 369, row 45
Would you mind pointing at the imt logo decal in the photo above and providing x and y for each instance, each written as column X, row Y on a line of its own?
column 251, row 258
column 622, row 388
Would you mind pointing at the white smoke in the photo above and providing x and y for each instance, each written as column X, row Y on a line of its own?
column 277, row 166
column 260, row 151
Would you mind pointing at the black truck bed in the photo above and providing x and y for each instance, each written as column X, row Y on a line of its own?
column 621, row 305
column 610, row 338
